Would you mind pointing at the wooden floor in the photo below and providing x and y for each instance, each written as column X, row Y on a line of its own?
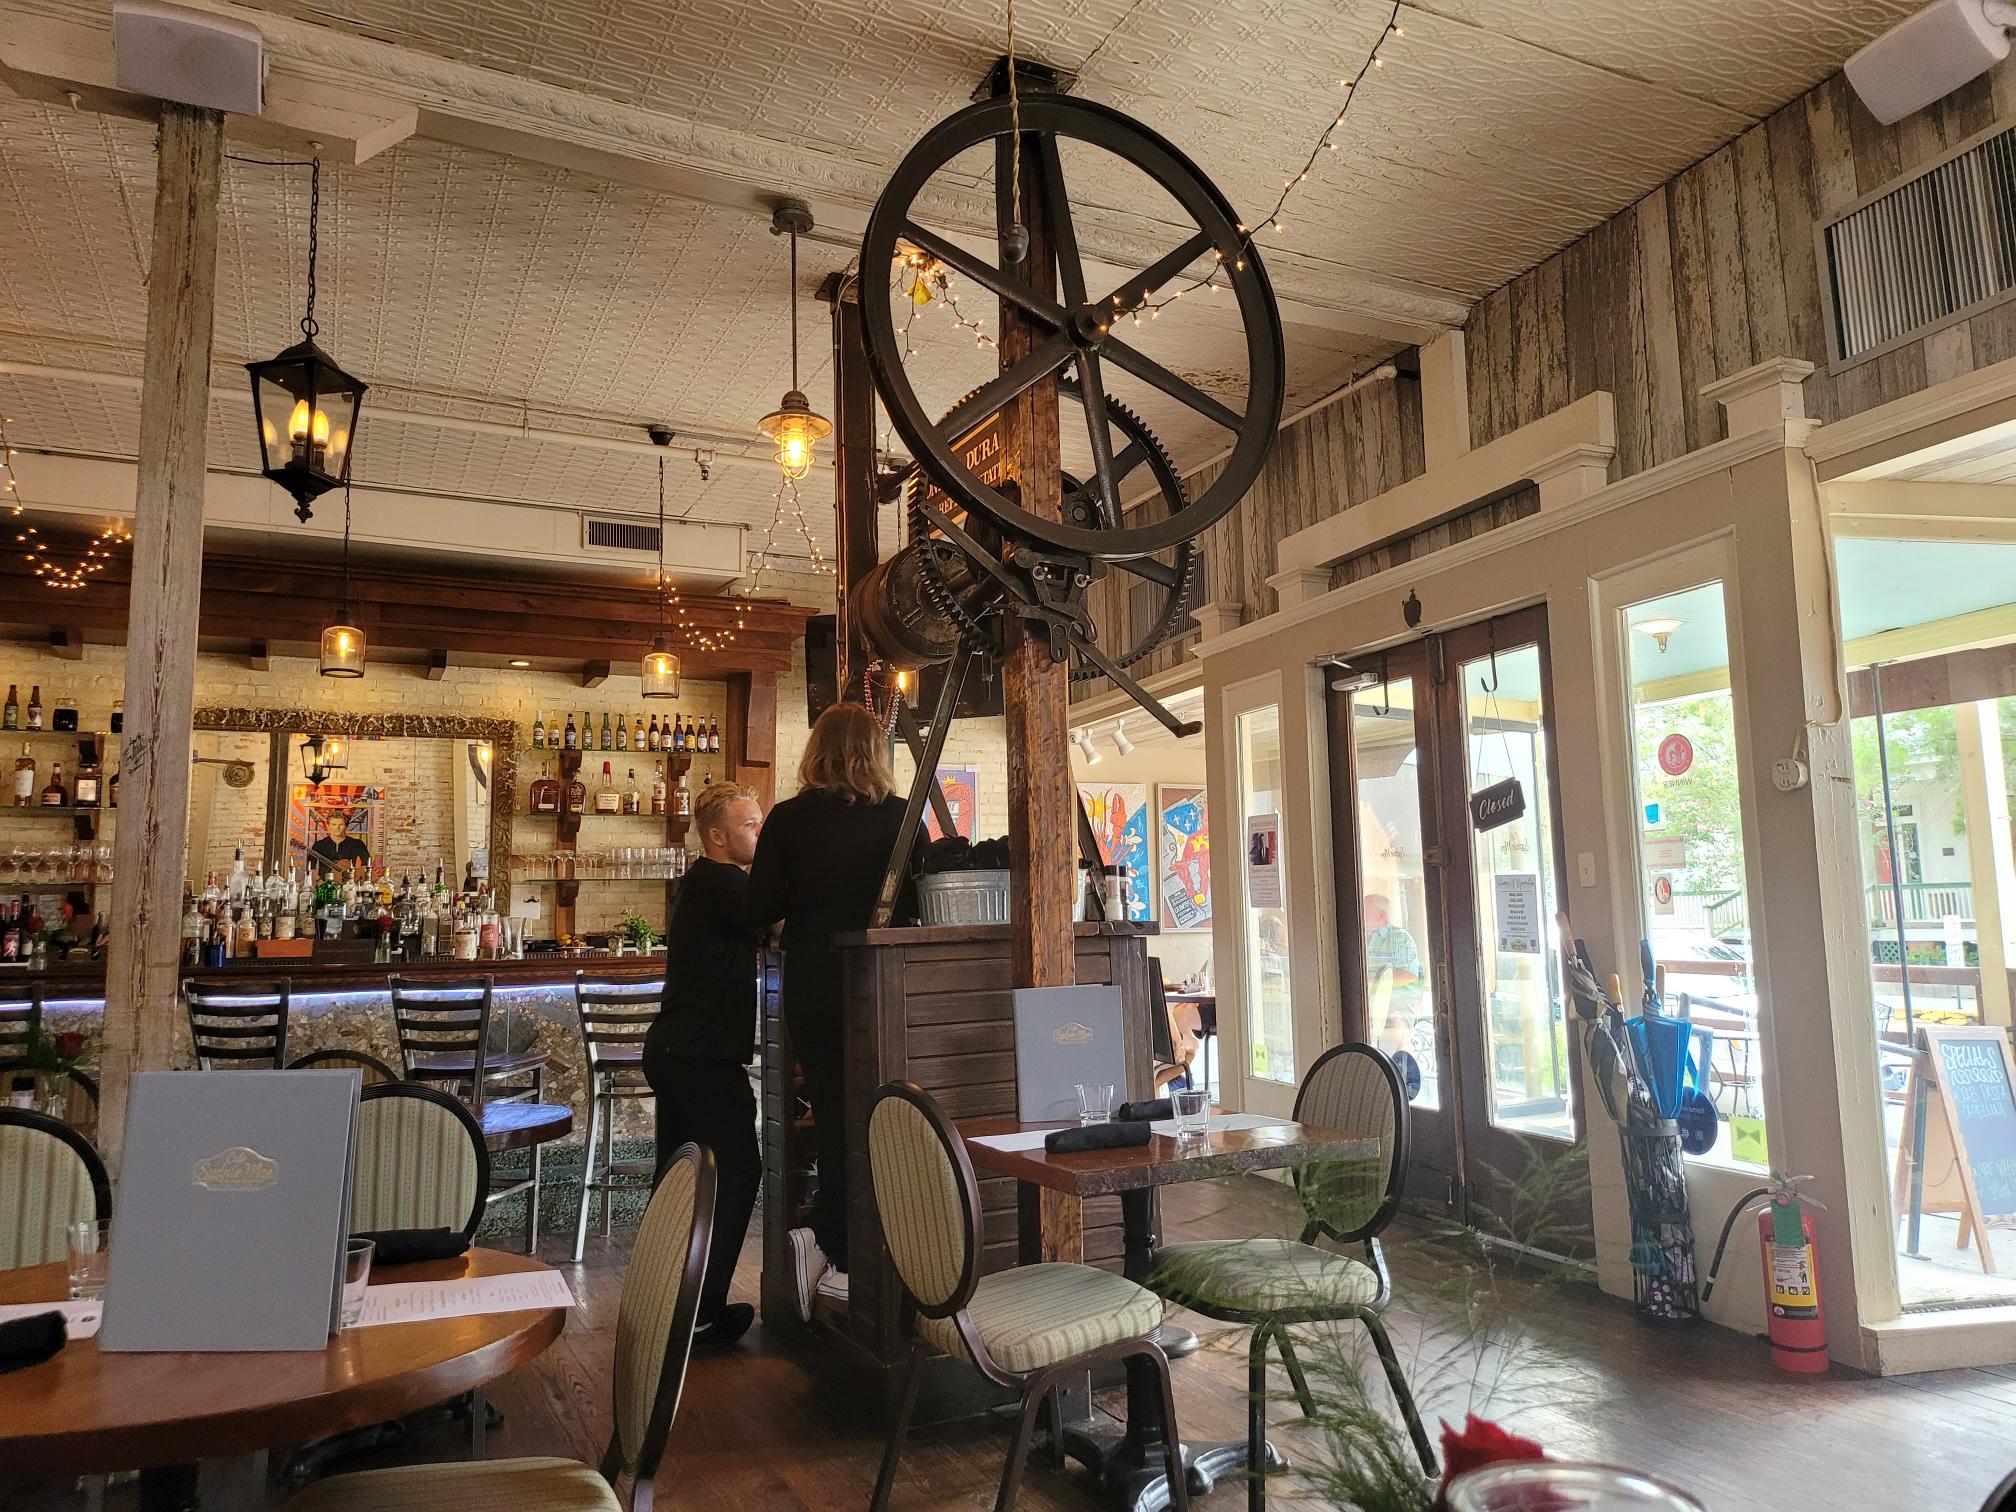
column 760, row 1430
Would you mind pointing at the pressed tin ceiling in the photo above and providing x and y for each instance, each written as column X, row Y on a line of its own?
column 467, row 281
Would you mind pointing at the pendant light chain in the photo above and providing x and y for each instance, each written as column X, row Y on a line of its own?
column 308, row 326
column 1014, row 128
column 794, row 310
column 346, row 550
column 661, row 545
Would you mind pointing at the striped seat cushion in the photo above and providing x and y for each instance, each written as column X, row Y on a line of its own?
column 1262, row 1275
column 1037, row 1315
column 515, row 1485
column 44, row 1188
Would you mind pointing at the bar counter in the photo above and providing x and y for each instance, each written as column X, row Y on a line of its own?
column 84, row 981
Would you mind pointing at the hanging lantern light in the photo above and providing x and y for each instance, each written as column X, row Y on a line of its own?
column 323, row 755
column 794, row 426
column 304, row 404
column 660, row 669
column 342, row 642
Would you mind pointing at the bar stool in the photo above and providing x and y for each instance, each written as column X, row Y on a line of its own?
column 20, row 1018
column 614, row 1018
column 242, row 1025
column 441, row 1055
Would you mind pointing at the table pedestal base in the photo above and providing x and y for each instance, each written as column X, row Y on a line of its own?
column 1130, row 1469
column 1176, row 1341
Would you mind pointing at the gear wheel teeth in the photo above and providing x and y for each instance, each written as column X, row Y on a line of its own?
column 972, row 627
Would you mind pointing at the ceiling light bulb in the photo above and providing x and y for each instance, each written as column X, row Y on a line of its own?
column 1659, row 627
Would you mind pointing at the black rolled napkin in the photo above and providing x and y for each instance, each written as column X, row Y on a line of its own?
column 30, row 1341
column 402, row 1246
column 1142, row 1112
column 1106, row 1136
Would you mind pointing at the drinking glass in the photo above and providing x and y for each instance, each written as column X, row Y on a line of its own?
column 1095, row 1102
column 90, row 1247
column 1193, row 1112
column 356, row 1276
column 1533, row 1485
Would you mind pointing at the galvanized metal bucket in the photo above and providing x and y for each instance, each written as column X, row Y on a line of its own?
column 963, row 897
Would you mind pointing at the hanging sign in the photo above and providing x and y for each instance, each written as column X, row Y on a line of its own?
column 1662, row 894
column 1518, row 899
column 1497, row 805
column 1263, row 860
column 984, row 452
column 1676, row 755
column 1664, row 852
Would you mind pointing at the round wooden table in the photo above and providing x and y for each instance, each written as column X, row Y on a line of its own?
column 83, row 1412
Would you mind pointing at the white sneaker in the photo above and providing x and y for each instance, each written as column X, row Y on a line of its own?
column 833, row 1286
column 812, row 1267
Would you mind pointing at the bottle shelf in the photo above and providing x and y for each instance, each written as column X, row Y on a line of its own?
column 52, row 811
column 73, row 736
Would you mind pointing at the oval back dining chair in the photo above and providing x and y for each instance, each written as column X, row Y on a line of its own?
column 1274, row 1284
column 20, row 1018
column 242, row 1025
column 614, row 1018
column 654, row 1342
column 50, row 1178
column 374, row 1071
column 421, row 1162
column 1033, row 1329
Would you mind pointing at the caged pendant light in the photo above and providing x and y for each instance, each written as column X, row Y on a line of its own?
column 342, row 642
column 304, row 404
column 794, row 426
column 660, row 669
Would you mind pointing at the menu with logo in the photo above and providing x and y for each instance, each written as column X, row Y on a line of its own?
column 1064, row 1036
column 234, row 1203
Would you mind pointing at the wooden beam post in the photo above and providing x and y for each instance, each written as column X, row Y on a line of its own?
column 152, row 839
column 1035, row 691
column 856, row 546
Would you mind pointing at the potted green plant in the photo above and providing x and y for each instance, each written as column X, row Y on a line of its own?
column 637, row 929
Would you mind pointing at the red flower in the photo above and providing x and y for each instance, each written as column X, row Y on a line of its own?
column 70, row 1044
column 1480, row 1442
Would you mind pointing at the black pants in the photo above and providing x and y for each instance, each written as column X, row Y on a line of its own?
column 709, row 1102
column 812, row 1014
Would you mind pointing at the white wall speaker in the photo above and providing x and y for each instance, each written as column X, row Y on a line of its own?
column 189, row 56
column 1927, row 57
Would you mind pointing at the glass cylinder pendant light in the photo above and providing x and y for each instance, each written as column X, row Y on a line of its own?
column 304, row 404
column 794, row 426
column 342, row 642
column 660, row 668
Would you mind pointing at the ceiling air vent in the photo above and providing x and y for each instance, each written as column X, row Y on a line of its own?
column 619, row 535
column 1926, row 251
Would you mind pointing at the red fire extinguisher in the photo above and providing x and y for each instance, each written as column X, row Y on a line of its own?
column 1791, row 1273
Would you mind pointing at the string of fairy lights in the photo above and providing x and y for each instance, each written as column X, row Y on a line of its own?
column 765, row 558
column 35, row 550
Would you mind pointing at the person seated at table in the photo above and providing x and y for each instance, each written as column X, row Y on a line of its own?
column 705, row 1035
column 819, row 867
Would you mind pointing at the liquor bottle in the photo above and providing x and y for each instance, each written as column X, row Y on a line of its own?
column 607, row 800
column 574, row 797
column 572, row 738
column 90, row 781
column 234, row 889
column 678, row 732
column 10, row 712
column 546, row 793
column 24, row 778
column 633, row 801
column 658, row 791
column 682, row 800
column 538, row 729
column 192, row 930
column 608, row 735
column 35, row 707
column 622, row 734
column 55, row 795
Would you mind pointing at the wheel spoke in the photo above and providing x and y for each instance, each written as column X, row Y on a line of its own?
column 1149, row 568
column 1137, row 290
column 1128, row 460
column 986, row 275
column 1063, row 231
column 1148, row 370
column 1049, row 355
column 1105, row 483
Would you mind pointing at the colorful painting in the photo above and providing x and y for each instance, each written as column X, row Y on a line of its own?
column 1119, row 815
column 961, row 786
column 332, row 822
column 1184, row 878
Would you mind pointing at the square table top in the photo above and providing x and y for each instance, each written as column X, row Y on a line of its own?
column 1162, row 1161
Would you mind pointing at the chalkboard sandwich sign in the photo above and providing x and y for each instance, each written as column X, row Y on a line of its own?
column 1965, row 1078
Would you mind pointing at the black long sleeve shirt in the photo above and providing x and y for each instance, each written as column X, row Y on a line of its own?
column 819, row 865
column 710, row 969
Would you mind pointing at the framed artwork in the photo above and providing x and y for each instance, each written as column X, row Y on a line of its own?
column 1183, row 880
column 1119, row 815
column 961, row 786
column 332, row 822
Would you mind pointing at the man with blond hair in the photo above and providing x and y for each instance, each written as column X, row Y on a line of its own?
column 706, row 1034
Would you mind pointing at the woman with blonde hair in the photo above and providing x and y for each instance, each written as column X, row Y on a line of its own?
column 819, row 866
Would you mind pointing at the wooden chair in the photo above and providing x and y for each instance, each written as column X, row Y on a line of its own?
column 50, row 1177
column 1032, row 1329
column 375, row 1072
column 654, row 1340
column 20, row 1018
column 421, row 1162
column 614, row 1018
column 1175, row 1050
column 242, row 1025
column 1274, row 1284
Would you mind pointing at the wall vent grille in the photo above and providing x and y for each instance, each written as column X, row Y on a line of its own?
column 621, row 535
column 1936, row 247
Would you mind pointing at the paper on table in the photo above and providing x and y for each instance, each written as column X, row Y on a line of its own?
column 1223, row 1123
column 80, row 1318
column 1025, row 1139
column 419, row 1301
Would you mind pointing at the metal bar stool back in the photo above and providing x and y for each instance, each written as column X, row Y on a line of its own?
column 444, row 1031
column 614, row 1016
column 239, row 1026
column 20, row 1018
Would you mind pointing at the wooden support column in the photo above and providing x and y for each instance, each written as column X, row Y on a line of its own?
column 1035, row 691
column 750, row 740
column 856, row 546
column 151, row 842
column 1991, row 855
